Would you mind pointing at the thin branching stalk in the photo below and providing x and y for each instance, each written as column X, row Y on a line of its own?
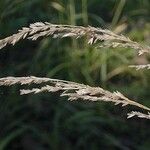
column 94, row 35
column 138, row 114
column 8, row 81
column 138, row 67
column 72, row 90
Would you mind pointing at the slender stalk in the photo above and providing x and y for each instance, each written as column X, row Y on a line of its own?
column 84, row 12
column 118, row 12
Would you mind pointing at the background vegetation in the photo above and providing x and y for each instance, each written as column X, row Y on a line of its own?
column 45, row 121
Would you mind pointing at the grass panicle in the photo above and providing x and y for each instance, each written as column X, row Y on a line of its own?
column 72, row 90
column 138, row 67
column 94, row 35
column 138, row 114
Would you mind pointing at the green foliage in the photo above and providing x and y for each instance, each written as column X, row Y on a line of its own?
column 48, row 122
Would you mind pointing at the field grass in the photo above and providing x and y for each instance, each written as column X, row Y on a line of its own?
column 46, row 121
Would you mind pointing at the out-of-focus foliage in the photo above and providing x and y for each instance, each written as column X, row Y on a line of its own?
column 46, row 121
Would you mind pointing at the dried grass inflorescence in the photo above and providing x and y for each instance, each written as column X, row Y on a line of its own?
column 138, row 67
column 138, row 114
column 39, row 29
column 72, row 90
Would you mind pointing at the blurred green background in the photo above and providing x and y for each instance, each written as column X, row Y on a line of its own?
column 46, row 121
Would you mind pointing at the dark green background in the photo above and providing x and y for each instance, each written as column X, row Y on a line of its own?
column 46, row 121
